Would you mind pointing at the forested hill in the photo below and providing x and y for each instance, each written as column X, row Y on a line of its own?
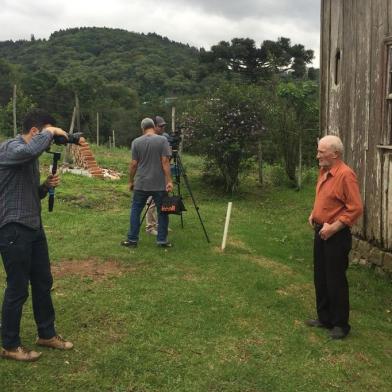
column 150, row 64
column 120, row 77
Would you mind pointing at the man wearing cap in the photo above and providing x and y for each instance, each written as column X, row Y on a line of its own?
column 149, row 175
column 151, row 215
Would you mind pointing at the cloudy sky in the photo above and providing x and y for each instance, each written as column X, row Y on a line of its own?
column 200, row 23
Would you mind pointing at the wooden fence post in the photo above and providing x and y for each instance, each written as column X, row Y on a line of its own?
column 14, row 110
column 97, row 129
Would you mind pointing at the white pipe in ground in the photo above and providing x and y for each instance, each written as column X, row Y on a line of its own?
column 228, row 213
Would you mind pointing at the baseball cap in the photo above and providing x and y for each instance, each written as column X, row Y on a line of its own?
column 159, row 121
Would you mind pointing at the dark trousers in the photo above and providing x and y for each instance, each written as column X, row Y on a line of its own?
column 26, row 259
column 330, row 265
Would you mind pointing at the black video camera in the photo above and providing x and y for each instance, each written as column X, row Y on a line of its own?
column 73, row 138
column 175, row 139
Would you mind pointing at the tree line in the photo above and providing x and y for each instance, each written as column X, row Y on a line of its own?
column 236, row 101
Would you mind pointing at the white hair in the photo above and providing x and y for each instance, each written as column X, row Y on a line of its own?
column 334, row 143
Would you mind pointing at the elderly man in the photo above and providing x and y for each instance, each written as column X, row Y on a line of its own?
column 336, row 208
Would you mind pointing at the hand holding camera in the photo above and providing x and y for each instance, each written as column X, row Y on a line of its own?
column 61, row 137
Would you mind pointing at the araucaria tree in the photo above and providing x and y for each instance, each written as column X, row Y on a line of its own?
column 224, row 126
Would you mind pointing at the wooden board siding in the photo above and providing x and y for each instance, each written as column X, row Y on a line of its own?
column 334, row 82
column 373, row 195
column 353, row 107
column 324, row 65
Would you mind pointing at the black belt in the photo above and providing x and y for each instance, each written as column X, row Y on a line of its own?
column 317, row 226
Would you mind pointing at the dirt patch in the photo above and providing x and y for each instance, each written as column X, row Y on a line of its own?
column 90, row 268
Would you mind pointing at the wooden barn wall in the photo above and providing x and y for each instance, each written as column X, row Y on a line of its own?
column 374, row 189
column 352, row 101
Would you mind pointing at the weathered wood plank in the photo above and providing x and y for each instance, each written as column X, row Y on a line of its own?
column 389, row 207
column 389, row 13
column 324, row 64
column 386, row 201
column 348, row 64
column 335, row 82
column 362, row 14
column 373, row 195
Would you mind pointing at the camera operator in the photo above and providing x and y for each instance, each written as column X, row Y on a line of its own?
column 149, row 175
column 23, row 244
column 151, row 215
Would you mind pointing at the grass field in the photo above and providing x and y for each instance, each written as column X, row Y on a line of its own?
column 192, row 318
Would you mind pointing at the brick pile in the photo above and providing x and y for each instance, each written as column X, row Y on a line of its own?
column 84, row 158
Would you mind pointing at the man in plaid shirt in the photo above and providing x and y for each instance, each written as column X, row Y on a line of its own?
column 23, row 245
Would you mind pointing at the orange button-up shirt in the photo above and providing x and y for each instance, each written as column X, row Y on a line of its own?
column 337, row 196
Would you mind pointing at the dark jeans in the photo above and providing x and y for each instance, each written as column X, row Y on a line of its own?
column 138, row 203
column 330, row 265
column 26, row 259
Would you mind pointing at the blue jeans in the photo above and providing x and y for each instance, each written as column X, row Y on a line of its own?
column 26, row 260
column 138, row 203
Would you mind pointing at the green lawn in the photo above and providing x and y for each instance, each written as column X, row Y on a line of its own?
column 192, row 318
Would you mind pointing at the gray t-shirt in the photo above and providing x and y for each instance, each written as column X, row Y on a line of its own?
column 148, row 150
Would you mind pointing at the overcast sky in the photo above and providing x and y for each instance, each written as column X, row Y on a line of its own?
column 200, row 23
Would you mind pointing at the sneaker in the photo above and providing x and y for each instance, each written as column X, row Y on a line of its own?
column 338, row 333
column 20, row 354
column 129, row 244
column 165, row 245
column 152, row 232
column 316, row 323
column 56, row 342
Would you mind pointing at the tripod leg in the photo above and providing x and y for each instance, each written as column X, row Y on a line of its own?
column 145, row 212
column 183, row 173
column 178, row 181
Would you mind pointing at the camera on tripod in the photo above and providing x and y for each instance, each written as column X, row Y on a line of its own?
column 175, row 139
column 73, row 138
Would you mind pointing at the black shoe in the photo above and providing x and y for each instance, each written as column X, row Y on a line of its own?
column 129, row 244
column 316, row 323
column 338, row 333
column 165, row 245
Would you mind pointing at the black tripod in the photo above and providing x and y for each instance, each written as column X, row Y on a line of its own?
column 179, row 170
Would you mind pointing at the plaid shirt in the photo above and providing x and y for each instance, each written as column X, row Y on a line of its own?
column 20, row 190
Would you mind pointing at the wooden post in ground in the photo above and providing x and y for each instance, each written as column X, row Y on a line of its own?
column 260, row 161
column 173, row 124
column 300, row 162
column 77, row 112
column 14, row 110
column 113, row 139
column 97, row 129
column 110, row 142
column 72, row 126
column 67, row 155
